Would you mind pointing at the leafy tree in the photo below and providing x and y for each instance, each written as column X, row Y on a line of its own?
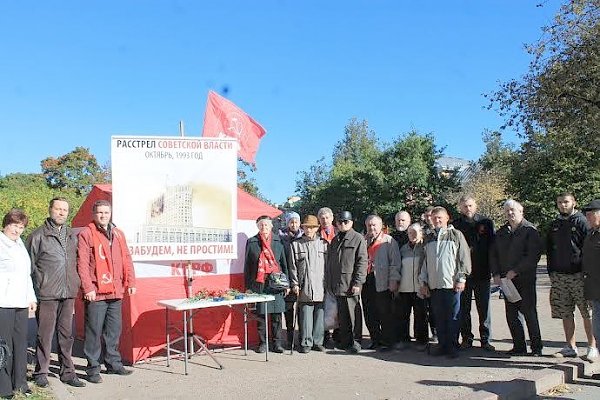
column 366, row 177
column 555, row 107
column 31, row 193
column 78, row 170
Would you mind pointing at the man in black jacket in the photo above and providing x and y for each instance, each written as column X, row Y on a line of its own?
column 53, row 251
column 479, row 233
column 564, row 247
column 345, row 275
column 514, row 256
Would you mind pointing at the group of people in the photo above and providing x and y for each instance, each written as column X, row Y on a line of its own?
column 44, row 275
column 432, row 269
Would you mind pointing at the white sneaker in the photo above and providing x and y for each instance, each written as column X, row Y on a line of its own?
column 592, row 354
column 566, row 351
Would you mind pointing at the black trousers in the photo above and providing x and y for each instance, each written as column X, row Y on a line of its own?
column 55, row 317
column 404, row 304
column 349, row 320
column 102, row 321
column 275, row 325
column 528, row 307
column 481, row 289
column 369, row 304
column 13, row 329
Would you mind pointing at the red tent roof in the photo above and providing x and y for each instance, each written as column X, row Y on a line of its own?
column 248, row 206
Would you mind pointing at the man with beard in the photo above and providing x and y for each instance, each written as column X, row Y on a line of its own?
column 564, row 248
column 479, row 233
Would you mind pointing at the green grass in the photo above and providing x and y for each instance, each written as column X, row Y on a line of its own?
column 38, row 394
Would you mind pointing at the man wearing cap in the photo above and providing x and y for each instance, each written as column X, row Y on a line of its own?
column 564, row 247
column 307, row 270
column 290, row 233
column 591, row 265
column 346, row 272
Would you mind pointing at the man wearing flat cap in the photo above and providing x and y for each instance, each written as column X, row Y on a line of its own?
column 346, row 273
column 307, row 270
column 591, row 265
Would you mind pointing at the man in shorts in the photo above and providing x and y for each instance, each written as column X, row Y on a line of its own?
column 564, row 249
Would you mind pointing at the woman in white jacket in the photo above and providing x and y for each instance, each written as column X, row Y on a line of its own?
column 17, row 299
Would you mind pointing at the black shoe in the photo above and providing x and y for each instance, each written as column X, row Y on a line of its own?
column 517, row 352
column 262, row 348
column 536, row 353
column 452, row 355
column 120, row 371
column 487, row 347
column 304, row 350
column 41, row 381
column 75, row 382
column 354, row 348
column 318, row 347
column 374, row 345
column 96, row 378
column 466, row 344
column 278, row 348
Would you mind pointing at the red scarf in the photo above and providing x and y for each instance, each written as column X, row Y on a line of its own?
column 266, row 260
column 104, row 264
column 328, row 236
column 372, row 249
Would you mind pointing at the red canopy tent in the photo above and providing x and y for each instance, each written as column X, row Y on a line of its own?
column 143, row 321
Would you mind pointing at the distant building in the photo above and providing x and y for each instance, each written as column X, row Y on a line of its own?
column 464, row 168
column 169, row 220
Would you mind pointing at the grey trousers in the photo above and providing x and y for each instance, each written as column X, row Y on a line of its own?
column 102, row 320
column 311, row 324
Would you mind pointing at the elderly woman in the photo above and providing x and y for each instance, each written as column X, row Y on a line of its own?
column 17, row 299
column 265, row 255
column 408, row 298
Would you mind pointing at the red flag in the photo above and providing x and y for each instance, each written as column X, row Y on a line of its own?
column 224, row 119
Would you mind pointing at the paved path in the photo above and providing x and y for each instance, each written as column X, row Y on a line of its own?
column 338, row 375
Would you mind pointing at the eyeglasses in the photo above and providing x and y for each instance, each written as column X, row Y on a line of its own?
column 344, row 222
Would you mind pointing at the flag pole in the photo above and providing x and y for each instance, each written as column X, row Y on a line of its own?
column 181, row 129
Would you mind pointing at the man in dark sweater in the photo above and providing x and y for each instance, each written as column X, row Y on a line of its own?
column 564, row 248
column 479, row 233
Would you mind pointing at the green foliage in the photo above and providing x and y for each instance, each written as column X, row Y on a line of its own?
column 78, row 170
column 555, row 107
column 366, row 177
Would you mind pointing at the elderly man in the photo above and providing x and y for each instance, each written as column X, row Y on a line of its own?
column 444, row 270
column 402, row 222
column 383, row 276
column 307, row 271
column 479, row 233
column 107, row 273
column 591, row 265
column 327, row 231
column 514, row 256
column 288, row 235
column 53, row 251
column 346, row 272
column 564, row 247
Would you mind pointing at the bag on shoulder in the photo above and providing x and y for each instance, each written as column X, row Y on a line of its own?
column 278, row 282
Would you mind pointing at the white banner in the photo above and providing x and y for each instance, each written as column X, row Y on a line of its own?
column 175, row 197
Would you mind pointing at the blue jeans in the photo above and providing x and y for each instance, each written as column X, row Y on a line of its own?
column 446, row 306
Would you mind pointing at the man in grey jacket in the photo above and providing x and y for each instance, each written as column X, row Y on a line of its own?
column 53, row 251
column 345, row 275
column 444, row 270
